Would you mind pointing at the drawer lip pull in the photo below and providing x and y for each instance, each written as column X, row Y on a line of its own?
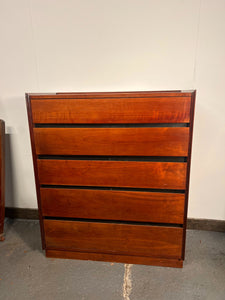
column 111, row 125
column 84, row 187
column 121, row 222
column 181, row 159
column 76, row 187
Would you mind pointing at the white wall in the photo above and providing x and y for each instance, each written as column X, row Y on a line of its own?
column 129, row 45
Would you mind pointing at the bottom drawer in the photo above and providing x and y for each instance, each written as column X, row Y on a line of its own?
column 113, row 238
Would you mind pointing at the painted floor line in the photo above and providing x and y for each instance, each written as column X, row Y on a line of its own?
column 127, row 282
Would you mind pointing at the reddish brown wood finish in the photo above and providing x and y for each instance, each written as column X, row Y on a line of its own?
column 113, row 205
column 102, row 240
column 140, row 240
column 2, row 178
column 127, row 259
column 112, row 141
column 157, row 175
column 118, row 110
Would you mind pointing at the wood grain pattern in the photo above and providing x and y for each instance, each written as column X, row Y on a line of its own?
column 114, row 238
column 110, row 240
column 158, row 175
column 2, row 178
column 112, row 141
column 126, row 259
column 113, row 205
column 118, row 110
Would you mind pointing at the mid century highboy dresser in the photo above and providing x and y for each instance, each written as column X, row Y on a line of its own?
column 112, row 174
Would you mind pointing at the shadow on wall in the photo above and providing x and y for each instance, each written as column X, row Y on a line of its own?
column 9, row 175
column 29, row 234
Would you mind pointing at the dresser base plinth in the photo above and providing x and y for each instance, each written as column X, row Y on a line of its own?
column 162, row 262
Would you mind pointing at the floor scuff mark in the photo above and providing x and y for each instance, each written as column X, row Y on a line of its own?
column 127, row 282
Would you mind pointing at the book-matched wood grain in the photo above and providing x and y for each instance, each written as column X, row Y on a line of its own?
column 118, row 110
column 112, row 141
column 113, row 205
column 2, row 178
column 155, row 241
column 158, row 175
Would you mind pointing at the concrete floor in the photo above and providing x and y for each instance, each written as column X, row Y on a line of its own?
column 25, row 273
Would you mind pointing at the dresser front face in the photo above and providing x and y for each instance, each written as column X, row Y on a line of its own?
column 112, row 174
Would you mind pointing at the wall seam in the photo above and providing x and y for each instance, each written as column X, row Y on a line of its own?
column 197, row 44
column 34, row 46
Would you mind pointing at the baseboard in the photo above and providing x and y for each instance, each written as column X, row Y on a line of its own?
column 21, row 213
column 198, row 224
column 206, row 224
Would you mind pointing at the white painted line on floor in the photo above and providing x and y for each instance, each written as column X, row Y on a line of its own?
column 127, row 282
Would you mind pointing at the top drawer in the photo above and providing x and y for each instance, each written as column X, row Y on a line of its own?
column 61, row 109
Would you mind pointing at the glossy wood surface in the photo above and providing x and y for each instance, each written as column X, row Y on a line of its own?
column 108, row 224
column 158, row 175
column 118, row 110
column 112, row 141
column 2, row 178
column 114, row 238
column 126, row 259
column 113, row 205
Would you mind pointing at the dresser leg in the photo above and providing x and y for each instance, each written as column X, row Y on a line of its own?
column 2, row 237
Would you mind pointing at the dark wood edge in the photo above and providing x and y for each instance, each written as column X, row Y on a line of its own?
column 30, row 120
column 192, row 110
column 2, row 180
column 130, row 94
column 174, row 263
column 122, row 92
column 198, row 224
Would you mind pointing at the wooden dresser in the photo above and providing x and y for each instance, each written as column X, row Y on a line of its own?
column 112, row 174
column 2, row 179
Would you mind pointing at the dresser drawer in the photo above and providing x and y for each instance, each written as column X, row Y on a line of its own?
column 138, row 174
column 113, row 205
column 154, row 241
column 110, row 110
column 164, row 141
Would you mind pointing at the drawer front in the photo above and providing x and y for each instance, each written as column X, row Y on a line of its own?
column 113, row 205
column 112, row 141
column 113, row 238
column 158, row 175
column 107, row 110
